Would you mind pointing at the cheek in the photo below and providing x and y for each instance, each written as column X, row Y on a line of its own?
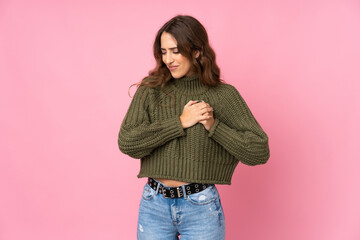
column 182, row 60
column 186, row 63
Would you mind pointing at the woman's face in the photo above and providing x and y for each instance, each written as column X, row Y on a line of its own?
column 178, row 65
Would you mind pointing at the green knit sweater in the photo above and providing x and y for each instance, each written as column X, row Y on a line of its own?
column 153, row 132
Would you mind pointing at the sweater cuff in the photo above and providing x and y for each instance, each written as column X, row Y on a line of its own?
column 212, row 130
column 176, row 121
column 172, row 128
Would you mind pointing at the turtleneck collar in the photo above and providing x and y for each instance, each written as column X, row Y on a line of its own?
column 189, row 85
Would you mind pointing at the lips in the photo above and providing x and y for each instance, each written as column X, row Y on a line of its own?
column 172, row 68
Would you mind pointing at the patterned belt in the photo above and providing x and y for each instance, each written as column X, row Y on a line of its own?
column 176, row 192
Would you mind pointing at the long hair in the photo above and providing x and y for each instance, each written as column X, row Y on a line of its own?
column 190, row 35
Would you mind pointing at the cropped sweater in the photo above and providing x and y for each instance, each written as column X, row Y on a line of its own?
column 151, row 131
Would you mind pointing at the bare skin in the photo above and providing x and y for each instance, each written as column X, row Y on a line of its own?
column 193, row 112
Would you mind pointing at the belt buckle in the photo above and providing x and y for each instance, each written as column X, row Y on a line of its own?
column 163, row 191
column 178, row 192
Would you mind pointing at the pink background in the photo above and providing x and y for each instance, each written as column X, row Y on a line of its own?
column 65, row 68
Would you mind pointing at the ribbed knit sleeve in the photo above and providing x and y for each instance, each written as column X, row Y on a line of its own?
column 238, row 131
column 138, row 137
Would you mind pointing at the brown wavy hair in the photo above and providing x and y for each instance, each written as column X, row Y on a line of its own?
column 191, row 36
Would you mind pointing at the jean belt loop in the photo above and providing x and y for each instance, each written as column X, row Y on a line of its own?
column 157, row 188
column 184, row 191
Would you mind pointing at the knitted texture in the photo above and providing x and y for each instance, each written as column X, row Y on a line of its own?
column 151, row 131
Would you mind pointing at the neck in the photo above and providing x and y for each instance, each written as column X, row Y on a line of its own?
column 189, row 85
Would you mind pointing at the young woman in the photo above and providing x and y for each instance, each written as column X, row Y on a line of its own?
column 190, row 129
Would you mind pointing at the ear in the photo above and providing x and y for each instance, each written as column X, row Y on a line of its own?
column 197, row 53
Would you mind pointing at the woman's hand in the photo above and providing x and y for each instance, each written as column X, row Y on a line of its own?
column 209, row 122
column 195, row 112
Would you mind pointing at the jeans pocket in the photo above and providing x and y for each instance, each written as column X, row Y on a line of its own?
column 204, row 197
column 148, row 192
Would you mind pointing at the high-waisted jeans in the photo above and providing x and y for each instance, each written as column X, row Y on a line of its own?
column 195, row 217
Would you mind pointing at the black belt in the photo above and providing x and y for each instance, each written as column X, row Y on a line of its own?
column 176, row 192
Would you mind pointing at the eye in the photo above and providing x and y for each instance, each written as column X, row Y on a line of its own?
column 173, row 52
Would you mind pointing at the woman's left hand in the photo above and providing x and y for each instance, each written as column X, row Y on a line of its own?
column 208, row 123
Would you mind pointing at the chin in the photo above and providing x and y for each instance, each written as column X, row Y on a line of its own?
column 174, row 75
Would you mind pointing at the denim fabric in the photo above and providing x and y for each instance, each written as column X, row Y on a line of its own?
column 194, row 217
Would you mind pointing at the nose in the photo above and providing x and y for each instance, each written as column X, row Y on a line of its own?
column 168, row 58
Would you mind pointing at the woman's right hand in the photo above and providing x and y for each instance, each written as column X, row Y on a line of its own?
column 194, row 112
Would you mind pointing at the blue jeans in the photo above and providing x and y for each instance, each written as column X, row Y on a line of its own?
column 194, row 217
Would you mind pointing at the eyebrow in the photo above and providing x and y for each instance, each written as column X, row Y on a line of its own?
column 169, row 48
